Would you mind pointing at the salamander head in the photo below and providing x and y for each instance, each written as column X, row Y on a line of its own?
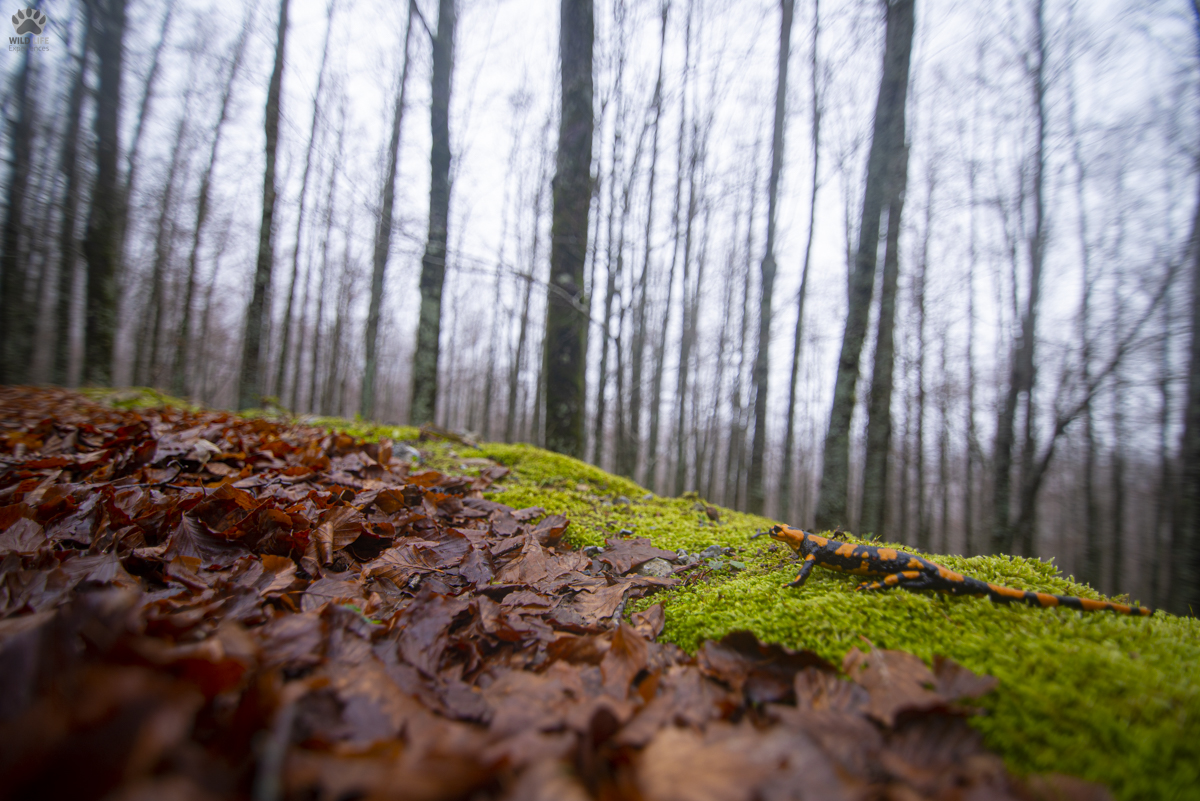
column 794, row 538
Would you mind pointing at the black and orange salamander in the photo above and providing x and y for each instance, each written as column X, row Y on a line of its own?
column 899, row 569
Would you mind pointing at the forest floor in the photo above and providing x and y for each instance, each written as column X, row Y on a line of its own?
column 195, row 604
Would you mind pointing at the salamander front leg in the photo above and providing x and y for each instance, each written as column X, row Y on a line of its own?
column 805, row 569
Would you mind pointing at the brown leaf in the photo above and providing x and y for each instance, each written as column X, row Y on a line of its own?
column 765, row 673
column 649, row 623
column 328, row 590
column 23, row 537
column 896, row 682
column 626, row 554
column 528, row 567
column 625, row 659
column 340, row 526
column 425, row 633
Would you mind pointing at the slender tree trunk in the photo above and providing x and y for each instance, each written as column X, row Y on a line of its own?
column 921, row 520
column 874, row 517
column 1185, row 581
column 757, row 488
column 639, row 326
column 1165, row 490
column 518, row 363
column 944, row 481
column 132, row 158
column 316, row 403
column 148, row 361
column 68, row 244
column 101, row 244
column 676, row 207
column 285, row 340
column 737, row 457
column 179, row 362
column 1021, row 376
column 433, row 263
column 383, row 237
column 687, row 322
column 611, row 266
column 565, row 348
column 887, row 143
column 15, row 320
column 972, row 547
column 789, row 439
column 250, row 384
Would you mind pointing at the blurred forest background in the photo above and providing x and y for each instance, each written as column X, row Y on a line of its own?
column 921, row 269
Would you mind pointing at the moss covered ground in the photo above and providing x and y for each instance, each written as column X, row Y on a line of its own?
column 1106, row 697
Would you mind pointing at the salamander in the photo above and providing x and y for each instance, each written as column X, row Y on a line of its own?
column 895, row 568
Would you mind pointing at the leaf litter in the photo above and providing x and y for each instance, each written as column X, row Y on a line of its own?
column 195, row 605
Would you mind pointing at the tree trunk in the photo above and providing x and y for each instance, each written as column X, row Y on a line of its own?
column 639, row 326
column 179, row 361
column 132, row 160
column 1021, row 376
column 316, row 403
column 874, row 517
column 789, row 509
column 433, row 263
column 1185, row 581
column 687, row 321
column 756, row 489
column 250, row 385
column 887, row 143
column 147, row 361
column 611, row 264
column 383, row 237
column 68, row 245
column 101, row 245
column 285, row 339
column 566, row 307
column 16, row 319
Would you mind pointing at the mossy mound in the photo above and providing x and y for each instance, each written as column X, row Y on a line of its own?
column 1107, row 697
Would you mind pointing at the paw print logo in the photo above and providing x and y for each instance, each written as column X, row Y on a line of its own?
column 29, row 20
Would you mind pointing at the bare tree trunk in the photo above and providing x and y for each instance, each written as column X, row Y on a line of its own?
column 101, row 245
column 1021, row 376
column 383, row 237
column 433, row 263
column 887, row 143
column 68, row 246
column 285, row 340
column 789, row 440
column 16, row 319
column 687, row 322
column 639, row 325
column 611, row 264
column 661, row 349
column 757, row 489
column 1185, row 581
column 132, row 160
column 921, row 520
column 179, row 362
column 565, row 349
column 737, row 450
column 874, row 517
column 1165, row 490
column 315, row 401
column 147, row 361
column 250, row 384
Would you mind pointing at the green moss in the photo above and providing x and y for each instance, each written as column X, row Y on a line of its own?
column 134, row 398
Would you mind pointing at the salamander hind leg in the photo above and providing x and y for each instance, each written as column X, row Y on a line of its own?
column 908, row 579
